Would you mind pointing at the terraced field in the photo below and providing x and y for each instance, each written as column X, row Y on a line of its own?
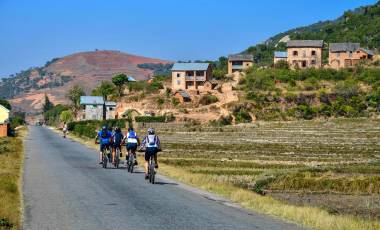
column 333, row 165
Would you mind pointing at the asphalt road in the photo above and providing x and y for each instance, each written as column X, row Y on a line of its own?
column 65, row 188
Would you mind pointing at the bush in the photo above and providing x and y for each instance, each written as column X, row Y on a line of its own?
column 152, row 119
column 208, row 99
column 242, row 116
column 222, row 121
column 89, row 128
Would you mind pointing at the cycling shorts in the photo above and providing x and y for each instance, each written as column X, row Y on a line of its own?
column 150, row 152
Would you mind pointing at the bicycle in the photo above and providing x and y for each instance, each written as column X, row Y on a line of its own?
column 152, row 170
column 117, row 157
column 130, row 162
column 105, row 157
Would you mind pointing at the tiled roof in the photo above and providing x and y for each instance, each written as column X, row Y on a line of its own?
column 130, row 78
column 305, row 43
column 370, row 52
column 280, row 54
column 190, row 66
column 183, row 93
column 344, row 47
column 240, row 57
column 91, row 100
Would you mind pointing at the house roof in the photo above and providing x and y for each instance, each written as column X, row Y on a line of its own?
column 110, row 103
column 130, row 78
column 240, row 57
column 280, row 54
column 183, row 93
column 343, row 47
column 91, row 100
column 305, row 43
column 190, row 66
column 370, row 52
column 3, row 107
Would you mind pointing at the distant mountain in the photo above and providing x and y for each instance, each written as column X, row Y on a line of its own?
column 360, row 25
column 27, row 88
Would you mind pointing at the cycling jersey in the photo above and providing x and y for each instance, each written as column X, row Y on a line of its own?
column 151, row 141
column 117, row 138
column 132, row 137
column 104, row 136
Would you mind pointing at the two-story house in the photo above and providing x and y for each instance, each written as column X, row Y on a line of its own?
column 93, row 108
column 280, row 56
column 239, row 62
column 347, row 54
column 304, row 53
column 190, row 76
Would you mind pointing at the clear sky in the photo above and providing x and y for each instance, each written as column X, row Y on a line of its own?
column 35, row 31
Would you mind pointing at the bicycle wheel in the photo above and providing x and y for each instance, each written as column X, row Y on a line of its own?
column 117, row 157
column 131, row 163
column 105, row 160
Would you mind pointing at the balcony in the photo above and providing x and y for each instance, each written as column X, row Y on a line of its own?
column 197, row 78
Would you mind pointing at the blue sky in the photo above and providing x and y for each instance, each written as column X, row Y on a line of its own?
column 35, row 31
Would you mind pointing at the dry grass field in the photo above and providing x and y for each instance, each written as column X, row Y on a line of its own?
column 327, row 169
column 11, row 159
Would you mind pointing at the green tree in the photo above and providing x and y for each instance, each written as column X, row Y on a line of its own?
column 47, row 104
column 6, row 104
column 120, row 80
column 66, row 116
column 74, row 95
column 105, row 89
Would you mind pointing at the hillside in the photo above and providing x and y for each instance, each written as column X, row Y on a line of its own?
column 360, row 25
column 27, row 88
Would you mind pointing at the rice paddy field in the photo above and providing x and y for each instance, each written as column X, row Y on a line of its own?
column 331, row 165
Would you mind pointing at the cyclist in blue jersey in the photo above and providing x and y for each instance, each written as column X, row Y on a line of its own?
column 104, row 136
column 117, row 138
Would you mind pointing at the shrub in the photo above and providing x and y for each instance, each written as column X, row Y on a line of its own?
column 152, row 119
column 175, row 101
column 208, row 99
column 242, row 116
column 222, row 121
column 89, row 128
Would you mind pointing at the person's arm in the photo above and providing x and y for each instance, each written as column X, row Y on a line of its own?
column 143, row 143
column 96, row 138
column 158, row 143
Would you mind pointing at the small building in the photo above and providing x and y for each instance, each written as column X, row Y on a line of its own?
column 210, row 85
column 305, row 53
column 280, row 56
column 342, row 55
column 190, row 76
column 182, row 96
column 239, row 62
column 93, row 108
column 131, row 79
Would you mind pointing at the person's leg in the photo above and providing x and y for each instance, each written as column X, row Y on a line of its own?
column 101, row 153
column 155, row 160
column 147, row 156
column 113, row 150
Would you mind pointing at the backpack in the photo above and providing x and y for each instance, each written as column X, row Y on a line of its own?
column 152, row 142
column 104, row 135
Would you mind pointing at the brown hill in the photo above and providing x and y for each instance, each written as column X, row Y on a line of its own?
column 26, row 89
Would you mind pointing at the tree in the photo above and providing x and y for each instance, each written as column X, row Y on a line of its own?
column 66, row 116
column 74, row 95
column 47, row 105
column 6, row 104
column 120, row 80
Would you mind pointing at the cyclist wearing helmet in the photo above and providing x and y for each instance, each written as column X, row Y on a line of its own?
column 104, row 136
column 132, row 141
column 117, row 138
column 152, row 146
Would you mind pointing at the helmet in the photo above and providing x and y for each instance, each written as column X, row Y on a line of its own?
column 151, row 131
column 117, row 129
column 104, row 128
column 130, row 129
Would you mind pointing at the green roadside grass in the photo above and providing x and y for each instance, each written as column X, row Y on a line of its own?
column 308, row 217
column 11, row 166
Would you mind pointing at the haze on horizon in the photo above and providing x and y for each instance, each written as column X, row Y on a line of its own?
column 34, row 32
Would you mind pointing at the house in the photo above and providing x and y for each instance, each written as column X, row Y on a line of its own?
column 280, row 56
column 304, row 53
column 182, row 96
column 210, row 85
column 131, row 79
column 4, row 118
column 190, row 76
column 93, row 108
column 347, row 54
column 239, row 62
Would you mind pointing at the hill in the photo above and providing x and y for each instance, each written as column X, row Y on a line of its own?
column 27, row 88
column 359, row 25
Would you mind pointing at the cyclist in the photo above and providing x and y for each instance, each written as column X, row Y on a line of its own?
column 104, row 137
column 64, row 130
column 132, row 141
column 152, row 146
column 117, row 140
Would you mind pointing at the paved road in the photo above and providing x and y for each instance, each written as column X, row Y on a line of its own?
column 64, row 188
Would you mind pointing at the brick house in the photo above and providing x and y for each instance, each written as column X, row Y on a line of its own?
column 304, row 53
column 190, row 76
column 92, row 108
column 182, row 96
column 239, row 62
column 4, row 118
column 347, row 54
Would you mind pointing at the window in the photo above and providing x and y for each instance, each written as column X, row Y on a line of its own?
column 178, row 82
column 350, row 54
column 313, row 53
column 304, row 64
column 237, row 63
column 200, row 73
column 111, row 109
column 247, row 64
column 313, row 62
column 295, row 53
column 190, row 73
column 178, row 75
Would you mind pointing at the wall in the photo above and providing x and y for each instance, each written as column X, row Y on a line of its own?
column 277, row 59
column 3, row 130
column 246, row 64
column 4, row 115
column 180, row 80
column 339, row 62
column 308, row 57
